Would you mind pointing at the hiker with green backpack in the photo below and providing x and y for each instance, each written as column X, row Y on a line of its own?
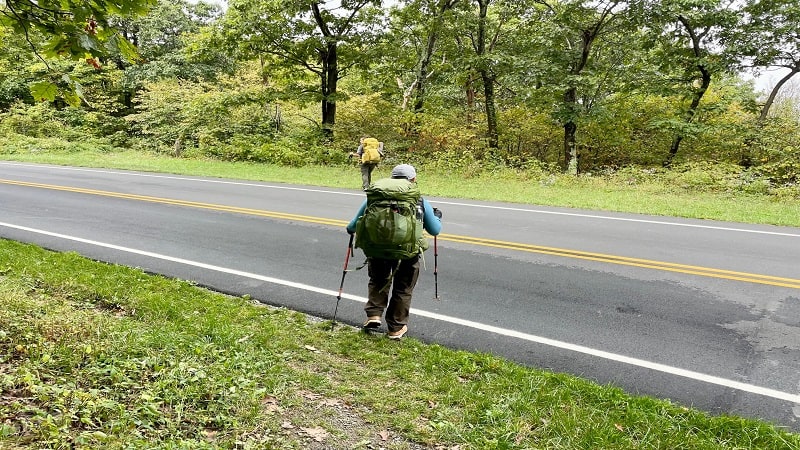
column 369, row 153
column 388, row 228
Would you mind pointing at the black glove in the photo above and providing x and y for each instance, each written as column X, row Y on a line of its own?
column 437, row 213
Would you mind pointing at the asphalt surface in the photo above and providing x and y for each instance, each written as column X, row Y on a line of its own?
column 706, row 314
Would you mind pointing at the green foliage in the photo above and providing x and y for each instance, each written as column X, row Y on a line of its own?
column 174, row 116
column 166, row 40
column 369, row 114
column 77, row 29
column 16, row 144
column 529, row 135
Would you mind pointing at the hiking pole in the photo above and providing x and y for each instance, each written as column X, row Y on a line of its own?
column 344, row 272
column 435, row 268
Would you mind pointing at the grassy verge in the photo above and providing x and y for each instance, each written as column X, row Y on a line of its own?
column 679, row 195
column 102, row 356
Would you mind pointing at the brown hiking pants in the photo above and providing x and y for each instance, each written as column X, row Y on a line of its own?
column 401, row 286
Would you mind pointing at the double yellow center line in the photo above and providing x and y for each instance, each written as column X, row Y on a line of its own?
column 635, row 262
column 170, row 201
column 599, row 257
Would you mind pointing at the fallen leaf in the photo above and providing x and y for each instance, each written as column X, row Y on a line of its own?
column 210, row 435
column 384, row 435
column 308, row 395
column 317, row 433
column 332, row 402
column 271, row 404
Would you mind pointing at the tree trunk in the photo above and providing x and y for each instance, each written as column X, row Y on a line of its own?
column 329, row 75
column 329, row 80
column 689, row 116
column 774, row 93
column 746, row 159
column 420, row 83
column 469, row 90
column 705, row 81
column 491, row 111
column 570, row 129
column 487, row 77
column 571, row 96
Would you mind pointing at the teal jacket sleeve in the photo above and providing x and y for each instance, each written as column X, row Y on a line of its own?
column 431, row 223
column 351, row 227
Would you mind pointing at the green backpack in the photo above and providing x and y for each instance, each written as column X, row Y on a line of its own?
column 391, row 227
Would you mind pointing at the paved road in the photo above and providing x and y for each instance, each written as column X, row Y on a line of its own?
column 704, row 313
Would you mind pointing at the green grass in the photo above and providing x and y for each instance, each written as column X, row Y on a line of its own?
column 102, row 356
column 672, row 194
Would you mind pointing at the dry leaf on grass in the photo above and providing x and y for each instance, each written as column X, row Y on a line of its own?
column 210, row 435
column 308, row 395
column 317, row 433
column 332, row 402
column 270, row 404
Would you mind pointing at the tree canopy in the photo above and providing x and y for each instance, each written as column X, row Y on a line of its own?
column 581, row 85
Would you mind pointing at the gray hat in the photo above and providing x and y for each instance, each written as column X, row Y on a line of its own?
column 406, row 171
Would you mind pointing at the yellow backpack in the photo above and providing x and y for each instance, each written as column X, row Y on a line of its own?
column 370, row 152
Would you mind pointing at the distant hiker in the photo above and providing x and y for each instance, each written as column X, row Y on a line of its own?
column 388, row 228
column 370, row 152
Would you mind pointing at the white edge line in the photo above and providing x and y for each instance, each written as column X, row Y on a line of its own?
column 360, row 194
column 453, row 320
column 621, row 219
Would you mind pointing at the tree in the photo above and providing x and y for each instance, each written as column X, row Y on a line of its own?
column 437, row 10
column 576, row 27
column 488, row 75
column 691, row 37
column 162, row 37
column 493, row 31
column 305, row 34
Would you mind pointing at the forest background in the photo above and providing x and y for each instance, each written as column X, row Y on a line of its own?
column 528, row 89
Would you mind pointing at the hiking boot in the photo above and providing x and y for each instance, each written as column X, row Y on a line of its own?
column 372, row 322
column 397, row 334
